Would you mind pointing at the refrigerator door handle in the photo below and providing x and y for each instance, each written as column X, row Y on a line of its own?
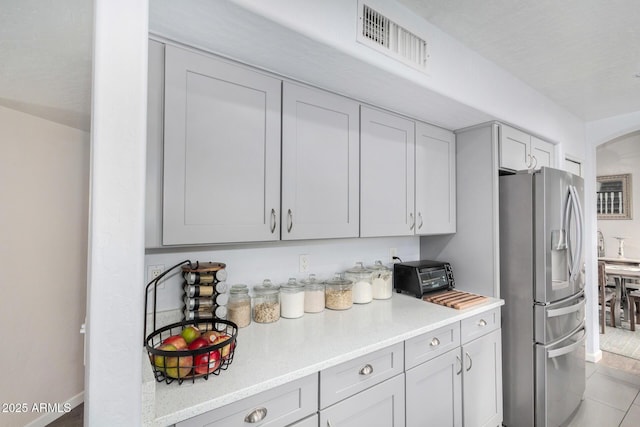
column 580, row 222
column 573, row 209
column 566, row 310
column 566, row 349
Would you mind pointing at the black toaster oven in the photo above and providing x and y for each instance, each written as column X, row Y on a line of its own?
column 422, row 277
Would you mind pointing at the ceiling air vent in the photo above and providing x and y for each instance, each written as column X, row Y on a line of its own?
column 378, row 31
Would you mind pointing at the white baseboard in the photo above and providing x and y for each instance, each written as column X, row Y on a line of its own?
column 594, row 357
column 49, row 417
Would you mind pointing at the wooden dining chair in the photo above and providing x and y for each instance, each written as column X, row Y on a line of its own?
column 606, row 297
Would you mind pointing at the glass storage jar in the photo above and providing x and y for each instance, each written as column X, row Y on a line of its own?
column 266, row 302
column 338, row 293
column 239, row 306
column 313, row 295
column 382, row 281
column 361, row 278
column 292, row 299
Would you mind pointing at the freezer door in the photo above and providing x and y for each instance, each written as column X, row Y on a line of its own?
column 556, row 320
column 560, row 379
column 558, row 225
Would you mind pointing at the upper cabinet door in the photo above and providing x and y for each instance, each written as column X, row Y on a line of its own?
column 435, row 180
column 543, row 153
column 320, row 162
column 514, row 149
column 387, row 174
column 221, row 151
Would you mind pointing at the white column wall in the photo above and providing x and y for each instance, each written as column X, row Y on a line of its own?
column 113, row 378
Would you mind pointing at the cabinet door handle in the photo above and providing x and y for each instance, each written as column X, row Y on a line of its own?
column 421, row 221
column 529, row 161
column 482, row 323
column 329, row 423
column 273, row 220
column 366, row 370
column 535, row 162
column 435, row 342
column 470, row 361
column 289, row 221
column 460, row 362
column 412, row 221
column 256, row 415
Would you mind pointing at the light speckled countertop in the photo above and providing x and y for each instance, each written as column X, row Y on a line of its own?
column 269, row 355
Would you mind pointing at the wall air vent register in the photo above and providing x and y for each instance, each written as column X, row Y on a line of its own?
column 388, row 37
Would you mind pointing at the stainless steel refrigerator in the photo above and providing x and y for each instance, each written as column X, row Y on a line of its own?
column 542, row 283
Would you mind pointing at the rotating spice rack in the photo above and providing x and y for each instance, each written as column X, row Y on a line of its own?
column 187, row 365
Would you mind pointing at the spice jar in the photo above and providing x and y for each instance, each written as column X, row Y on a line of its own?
column 382, row 281
column 313, row 295
column 292, row 299
column 338, row 293
column 239, row 306
column 266, row 302
column 361, row 278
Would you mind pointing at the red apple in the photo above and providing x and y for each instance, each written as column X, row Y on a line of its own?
column 177, row 341
column 226, row 350
column 210, row 336
column 207, row 362
column 199, row 343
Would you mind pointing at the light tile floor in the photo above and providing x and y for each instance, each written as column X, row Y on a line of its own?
column 612, row 395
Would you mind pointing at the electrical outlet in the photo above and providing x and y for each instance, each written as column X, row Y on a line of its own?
column 154, row 271
column 304, row 263
column 393, row 252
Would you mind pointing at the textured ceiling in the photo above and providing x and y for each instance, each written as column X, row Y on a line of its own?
column 582, row 54
column 45, row 70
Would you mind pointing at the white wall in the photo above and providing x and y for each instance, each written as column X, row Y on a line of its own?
column 44, row 178
column 622, row 156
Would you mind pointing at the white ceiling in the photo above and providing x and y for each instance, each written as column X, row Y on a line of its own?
column 583, row 54
column 45, row 59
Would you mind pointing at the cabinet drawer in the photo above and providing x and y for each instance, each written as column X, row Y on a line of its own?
column 281, row 406
column 380, row 405
column 427, row 346
column 480, row 324
column 349, row 378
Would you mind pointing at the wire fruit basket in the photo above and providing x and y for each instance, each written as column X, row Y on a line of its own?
column 190, row 349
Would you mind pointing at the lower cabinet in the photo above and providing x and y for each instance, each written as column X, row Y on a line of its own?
column 434, row 392
column 462, row 387
column 382, row 405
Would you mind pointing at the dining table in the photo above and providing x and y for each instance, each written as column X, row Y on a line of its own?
column 623, row 275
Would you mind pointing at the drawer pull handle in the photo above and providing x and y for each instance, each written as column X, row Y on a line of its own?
column 435, row 342
column 289, row 220
column 256, row 415
column 482, row 323
column 366, row 370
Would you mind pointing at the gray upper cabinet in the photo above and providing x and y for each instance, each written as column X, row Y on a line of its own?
column 435, row 180
column 387, row 174
column 320, row 164
column 520, row 151
column 221, row 177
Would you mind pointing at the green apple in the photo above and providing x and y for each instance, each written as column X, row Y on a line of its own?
column 190, row 333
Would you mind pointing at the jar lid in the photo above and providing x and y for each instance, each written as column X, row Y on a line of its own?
column 377, row 266
column 239, row 289
column 292, row 286
column 339, row 280
column 312, row 282
column 267, row 288
column 359, row 268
